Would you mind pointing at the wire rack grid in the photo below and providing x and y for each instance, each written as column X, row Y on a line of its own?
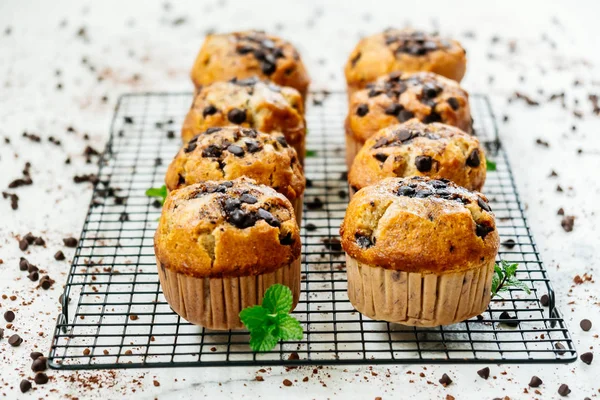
column 114, row 314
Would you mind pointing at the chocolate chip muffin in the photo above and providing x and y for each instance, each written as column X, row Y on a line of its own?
column 417, row 149
column 419, row 251
column 399, row 97
column 246, row 54
column 231, row 152
column 404, row 50
column 220, row 245
column 250, row 103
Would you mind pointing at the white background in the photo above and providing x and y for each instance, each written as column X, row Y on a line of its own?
column 556, row 44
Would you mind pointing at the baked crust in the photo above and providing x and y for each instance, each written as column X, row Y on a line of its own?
column 405, row 50
column 249, row 103
column 433, row 226
column 231, row 152
column 226, row 229
column 399, row 97
column 417, row 149
column 246, row 54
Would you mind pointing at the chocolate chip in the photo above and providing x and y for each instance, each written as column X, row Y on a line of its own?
column 209, row 110
column 509, row 243
column 453, row 102
column 46, row 282
column 333, row 244
column 267, row 67
column 210, row 131
column 40, row 378
column 15, row 340
column 484, row 372
column 406, row 191
column 403, row 134
column 474, row 160
column 191, row 146
column 535, row 382
column 287, row 240
column 315, row 204
column 236, row 150
column 484, row 205
column 375, row 92
column 35, row 355
column 585, row 324
column 268, row 218
column 423, row 163
column 252, row 145
column 231, row 205
column 545, row 300
column 559, row 346
column 363, row 241
column 362, row 110
column 393, row 109
column 432, row 117
column 32, row 268
column 405, row 115
column 445, row 380
column 39, row 364
column 9, row 316
column 25, row 385
column 70, row 242
column 23, row 245
column 379, row 143
column 431, row 90
column 310, row 227
column 39, row 241
column 564, row 390
column 567, row 223
column 241, row 219
column 381, row 156
column 587, row 357
column 506, row 319
column 212, row 151
column 236, row 116
column 248, row 198
column 23, row 264
column 1, row 333
column 34, row 276
column 59, row 256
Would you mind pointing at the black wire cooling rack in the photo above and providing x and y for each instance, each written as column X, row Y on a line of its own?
column 115, row 315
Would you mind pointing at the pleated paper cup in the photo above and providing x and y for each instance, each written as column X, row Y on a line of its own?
column 298, row 204
column 215, row 303
column 417, row 299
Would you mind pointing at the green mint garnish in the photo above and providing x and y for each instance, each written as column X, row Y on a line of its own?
column 160, row 192
column 270, row 322
column 311, row 153
column 491, row 165
column 505, row 278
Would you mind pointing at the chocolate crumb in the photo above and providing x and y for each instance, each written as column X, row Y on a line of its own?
column 567, row 223
column 287, row 382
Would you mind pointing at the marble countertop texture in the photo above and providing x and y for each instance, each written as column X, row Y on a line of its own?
column 64, row 63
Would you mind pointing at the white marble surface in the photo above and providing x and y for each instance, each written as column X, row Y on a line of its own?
column 555, row 46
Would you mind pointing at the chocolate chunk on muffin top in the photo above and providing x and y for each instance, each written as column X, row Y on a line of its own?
column 417, row 149
column 246, row 54
column 419, row 224
column 404, row 50
column 400, row 97
column 250, row 103
column 230, row 152
column 226, row 228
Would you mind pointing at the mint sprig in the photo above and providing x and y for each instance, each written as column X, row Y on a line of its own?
column 270, row 322
column 159, row 192
column 490, row 165
column 505, row 278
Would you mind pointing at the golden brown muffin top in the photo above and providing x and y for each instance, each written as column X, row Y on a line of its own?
column 246, row 54
column 405, row 50
column 417, row 149
column 226, row 229
column 231, row 152
column 250, row 103
column 399, row 97
column 420, row 225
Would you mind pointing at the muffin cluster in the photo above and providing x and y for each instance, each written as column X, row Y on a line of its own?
column 420, row 240
column 229, row 226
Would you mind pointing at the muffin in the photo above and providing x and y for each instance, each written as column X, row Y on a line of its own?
column 404, row 50
column 419, row 251
column 399, row 97
column 246, row 54
column 417, row 149
column 231, row 152
column 250, row 103
column 220, row 245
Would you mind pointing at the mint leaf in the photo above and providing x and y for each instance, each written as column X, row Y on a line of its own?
column 160, row 192
column 505, row 278
column 515, row 283
column 254, row 317
column 490, row 165
column 311, row 153
column 261, row 340
column 289, row 328
column 278, row 299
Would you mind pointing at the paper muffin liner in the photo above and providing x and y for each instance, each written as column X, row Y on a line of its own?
column 353, row 146
column 298, row 204
column 416, row 299
column 300, row 147
column 215, row 303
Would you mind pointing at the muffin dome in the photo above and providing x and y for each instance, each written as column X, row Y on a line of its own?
column 246, row 54
column 417, row 149
column 404, row 50
column 420, row 225
column 231, row 152
column 226, row 229
column 399, row 97
column 249, row 103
